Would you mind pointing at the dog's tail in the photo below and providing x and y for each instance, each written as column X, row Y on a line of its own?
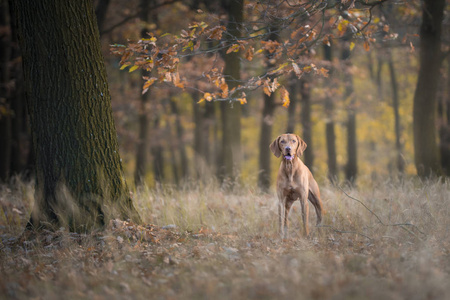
column 315, row 200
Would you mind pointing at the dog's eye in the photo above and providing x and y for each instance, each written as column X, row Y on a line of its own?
column 282, row 142
column 293, row 141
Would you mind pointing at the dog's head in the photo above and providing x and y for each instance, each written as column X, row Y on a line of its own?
column 289, row 145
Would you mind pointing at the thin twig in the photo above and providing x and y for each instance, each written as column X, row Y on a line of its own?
column 402, row 225
column 344, row 231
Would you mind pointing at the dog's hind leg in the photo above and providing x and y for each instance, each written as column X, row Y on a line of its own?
column 317, row 203
column 281, row 224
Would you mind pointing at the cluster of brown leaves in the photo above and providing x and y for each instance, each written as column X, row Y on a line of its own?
column 164, row 53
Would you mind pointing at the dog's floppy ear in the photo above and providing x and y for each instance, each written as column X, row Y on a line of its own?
column 274, row 147
column 301, row 146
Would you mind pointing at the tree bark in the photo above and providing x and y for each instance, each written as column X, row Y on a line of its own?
column 231, row 153
column 143, row 122
column 329, row 123
column 157, row 152
column 210, row 124
column 79, row 178
column 264, row 141
column 199, row 137
column 171, row 149
column 5, row 94
column 305, row 92
column 180, row 145
column 100, row 12
column 265, row 137
column 425, row 147
column 395, row 106
column 352, row 160
column 444, row 123
column 379, row 78
column 143, row 143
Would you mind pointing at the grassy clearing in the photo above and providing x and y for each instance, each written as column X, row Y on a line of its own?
column 205, row 243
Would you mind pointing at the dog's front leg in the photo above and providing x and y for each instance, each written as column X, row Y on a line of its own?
column 305, row 212
column 287, row 207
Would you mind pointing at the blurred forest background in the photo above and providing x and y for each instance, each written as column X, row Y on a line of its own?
column 355, row 110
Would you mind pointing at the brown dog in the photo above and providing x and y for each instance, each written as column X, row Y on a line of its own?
column 294, row 181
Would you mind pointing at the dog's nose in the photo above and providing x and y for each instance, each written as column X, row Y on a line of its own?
column 288, row 148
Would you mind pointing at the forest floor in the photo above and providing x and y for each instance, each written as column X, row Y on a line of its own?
column 386, row 240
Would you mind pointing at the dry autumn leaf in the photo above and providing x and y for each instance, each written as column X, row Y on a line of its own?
column 366, row 46
column 297, row 70
column 285, row 96
column 233, row 48
column 249, row 54
column 133, row 68
column 323, row 72
column 224, row 88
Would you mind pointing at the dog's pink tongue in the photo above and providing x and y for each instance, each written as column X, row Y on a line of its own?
column 288, row 157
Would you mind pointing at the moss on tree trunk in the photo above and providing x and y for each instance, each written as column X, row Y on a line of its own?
column 79, row 177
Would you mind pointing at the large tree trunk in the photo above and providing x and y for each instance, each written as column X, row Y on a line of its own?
column 425, row 147
column 329, row 123
column 351, row 167
column 5, row 94
column 79, row 177
column 305, row 92
column 395, row 106
column 21, row 158
column 231, row 154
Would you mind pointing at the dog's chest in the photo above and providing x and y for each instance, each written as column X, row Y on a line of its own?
column 289, row 184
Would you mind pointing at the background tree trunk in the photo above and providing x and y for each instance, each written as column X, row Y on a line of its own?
column 157, row 151
column 210, row 124
column 379, row 78
column 293, row 87
column 305, row 92
column 352, row 159
column 329, row 123
column 79, row 177
column 444, row 129
column 395, row 106
column 171, row 148
column 180, row 145
column 231, row 153
column 100, row 12
column 265, row 137
column 143, row 119
column 199, row 137
column 425, row 146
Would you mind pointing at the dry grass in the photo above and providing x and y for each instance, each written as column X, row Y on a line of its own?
column 225, row 246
